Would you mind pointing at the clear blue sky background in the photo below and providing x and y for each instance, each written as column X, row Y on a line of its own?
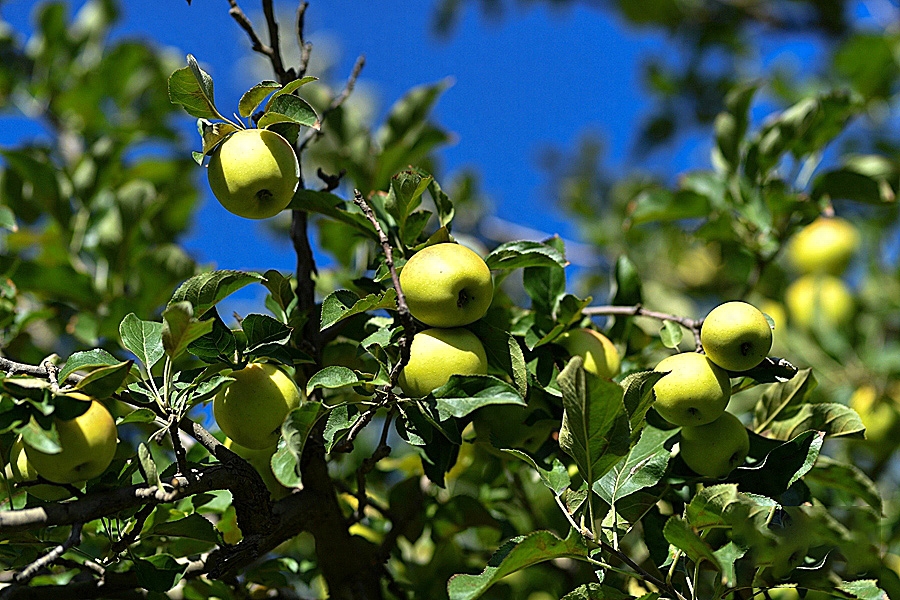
column 536, row 78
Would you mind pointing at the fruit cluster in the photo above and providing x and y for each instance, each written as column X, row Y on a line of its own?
column 695, row 391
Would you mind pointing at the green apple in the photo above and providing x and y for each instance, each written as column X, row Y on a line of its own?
column 447, row 285
column 436, row 354
column 819, row 300
column 254, row 173
column 824, row 246
column 261, row 460
column 19, row 469
column 694, row 392
column 879, row 415
column 252, row 408
column 600, row 355
column 88, row 445
column 715, row 449
column 736, row 336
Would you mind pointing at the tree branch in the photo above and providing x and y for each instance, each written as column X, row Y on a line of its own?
column 637, row 310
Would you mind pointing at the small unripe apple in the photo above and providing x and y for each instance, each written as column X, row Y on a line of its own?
column 694, row 392
column 824, row 246
column 252, row 408
column 88, row 445
column 254, row 173
column 436, row 354
column 600, row 355
column 261, row 460
column 447, row 285
column 736, row 336
column 821, row 299
column 715, row 449
column 19, row 469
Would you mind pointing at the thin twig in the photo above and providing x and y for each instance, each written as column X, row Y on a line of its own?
column 274, row 43
column 638, row 310
column 305, row 47
column 256, row 43
column 48, row 559
column 130, row 537
column 381, row 451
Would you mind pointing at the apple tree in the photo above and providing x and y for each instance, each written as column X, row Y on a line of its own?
column 571, row 458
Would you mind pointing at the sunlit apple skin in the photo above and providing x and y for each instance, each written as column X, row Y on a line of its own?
column 736, row 336
column 715, row 449
column 824, row 246
column 88, row 445
column 447, row 285
column 694, row 392
column 254, row 173
column 821, row 300
column 262, row 462
column 19, row 469
column 436, row 354
column 252, row 408
column 599, row 354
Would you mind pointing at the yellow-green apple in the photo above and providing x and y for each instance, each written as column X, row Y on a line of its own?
column 447, row 285
column 254, row 173
column 694, row 392
column 88, row 445
column 822, row 300
column 436, row 354
column 19, row 469
column 600, row 355
column 252, row 408
column 878, row 414
column 262, row 462
column 715, row 449
column 824, row 246
column 736, row 336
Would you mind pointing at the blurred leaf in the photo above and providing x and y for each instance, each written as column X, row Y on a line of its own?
column 294, row 430
column 516, row 554
column 206, row 290
column 341, row 304
column 864, row 589
column 524, row 253
column 595, row 427
column 627, row 291
column 8, row 219
column 143, row 339
column 834, row 475
column 663, row 205
column 846, row 184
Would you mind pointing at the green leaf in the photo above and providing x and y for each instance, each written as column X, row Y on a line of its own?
column 192, row 88
column 556, row 478
column 219, row 344
column 141, row 415
column 194, row 526
column 678, row 532
column 85, row 361
column 783, row 400
column 442, row 202
column 180, row 328
column 143, row 339
column 212, row 134
column 846, row 184
column 525, row 253
column 340, row 420
column 405, row 195
column 644, row 466
column 206, row 290
column 332, row 377
column 158, row 573
column 262, row 330
column 595, row 428
column 463, row 394
column 280, row 288
column 151, row 473
column 288, row 108
column 661, row 205
column 8, row 219
column 864, row 589
column 638, row 397
column 334, row 207
column 781, row 467
column 597, row 591
column 255, row 95
column 293, row 86
column 671, row 334
column 45, row 440
column 516, row 554
column 832, row 419
column 103, row 382
column 834, row 475
column 295, row 429
column 341, row 304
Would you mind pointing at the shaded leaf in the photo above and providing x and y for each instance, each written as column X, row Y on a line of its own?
column 294, row 431
column 642, row 467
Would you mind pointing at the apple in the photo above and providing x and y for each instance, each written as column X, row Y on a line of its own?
column 794, row 536
column 252, row 408
column 261, row 460
column 88, row 445
column 819, row 300
column 694, row 392
column 736, row 336
column 447, row 285
column 599, row 354
column 824, row 246
column 436, row 354
column 254, row 173
column 879, row 415
column 19, row 469
column 715, row 449
column 515, row 426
